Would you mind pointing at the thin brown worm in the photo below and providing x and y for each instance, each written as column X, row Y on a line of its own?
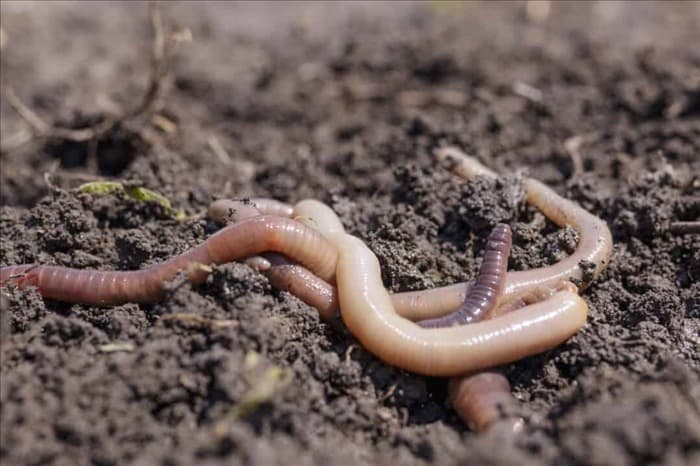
column 489, row 284
column 246, row 238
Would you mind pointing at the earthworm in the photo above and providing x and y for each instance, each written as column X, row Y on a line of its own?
column 232, row 210
column 488, row 287
column 289, row 276
column 594, row 247
column 283, row 274
column 303, row 284
column 484, row 398
column 243, row 239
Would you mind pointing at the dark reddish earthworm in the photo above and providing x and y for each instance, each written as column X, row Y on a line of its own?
column 303, row 284
column 483, row 399
column 243, row 239
column 489, row 284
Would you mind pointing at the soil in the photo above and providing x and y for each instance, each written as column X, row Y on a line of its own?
column 346, row 103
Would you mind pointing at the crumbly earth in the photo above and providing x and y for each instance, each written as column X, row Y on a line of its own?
column 346, row 104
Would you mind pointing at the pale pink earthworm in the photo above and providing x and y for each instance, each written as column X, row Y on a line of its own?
column 594, row 247
column 483, row 399
column 368, row 313
column 246, row 238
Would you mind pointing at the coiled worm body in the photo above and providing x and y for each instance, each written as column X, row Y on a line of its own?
column 368, row 313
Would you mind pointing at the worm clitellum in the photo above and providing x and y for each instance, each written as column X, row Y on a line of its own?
column 243, row 239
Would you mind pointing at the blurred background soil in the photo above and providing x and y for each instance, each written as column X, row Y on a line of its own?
column 346, row 102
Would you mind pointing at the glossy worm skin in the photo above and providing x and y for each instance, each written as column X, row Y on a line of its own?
column 594, row 245
column 291, row 276
column 369, row 314
column 243, row 239
column 482, row 399
column 488, row 287
column 303, row 284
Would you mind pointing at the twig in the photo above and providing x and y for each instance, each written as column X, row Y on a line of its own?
column 218, row 149
column 685, row 228
column 159, row 67
column 199, row 320
column 16, row 140
column 159, row 61
column 388, row 393
column 573, row 148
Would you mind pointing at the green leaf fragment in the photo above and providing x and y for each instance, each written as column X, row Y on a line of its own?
column 134, row 192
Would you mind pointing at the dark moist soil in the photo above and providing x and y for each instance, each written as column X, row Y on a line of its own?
column 346, row 103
